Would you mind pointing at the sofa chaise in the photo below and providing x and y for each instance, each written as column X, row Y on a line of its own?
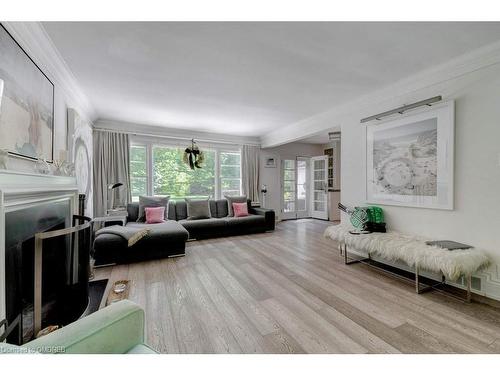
column 168, row 239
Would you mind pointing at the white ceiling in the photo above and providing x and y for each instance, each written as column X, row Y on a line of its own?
column 248, row 79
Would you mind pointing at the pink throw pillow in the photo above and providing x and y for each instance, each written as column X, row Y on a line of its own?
column 240, row 209
column 154, row 215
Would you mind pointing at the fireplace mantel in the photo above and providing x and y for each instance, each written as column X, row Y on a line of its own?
column 20, row 190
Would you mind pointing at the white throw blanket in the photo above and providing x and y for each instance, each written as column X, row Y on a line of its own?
column 413, row 251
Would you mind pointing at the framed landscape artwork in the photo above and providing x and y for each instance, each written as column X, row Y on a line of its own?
column 410, row 159
column 26, row 103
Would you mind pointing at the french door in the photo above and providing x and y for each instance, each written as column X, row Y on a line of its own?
column 319, row 191
column 295, row 188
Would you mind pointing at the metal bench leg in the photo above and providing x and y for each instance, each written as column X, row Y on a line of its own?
column 353, row 261
column 426, row 288
column 469, row 282
column 417, row 282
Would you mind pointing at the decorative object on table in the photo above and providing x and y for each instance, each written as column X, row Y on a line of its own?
column 47, row 330
column 4, row 158
column 27, row 115
column 270, row 162
column 358, row 217
column 79, row 158
column 119, row 291
column 119, row 287
column 111, row 192
column 42, row 167
column 376, row 221
column 410, row 159
column 69, row 170
column 263, row 190
column 59, row 167
column 193, row 156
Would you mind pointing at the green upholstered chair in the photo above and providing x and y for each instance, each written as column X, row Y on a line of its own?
column 116, row 329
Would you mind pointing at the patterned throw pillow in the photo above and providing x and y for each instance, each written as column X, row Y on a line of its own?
column 155, row 215
column 240, row 209
column 231, row 200
column 145, row 201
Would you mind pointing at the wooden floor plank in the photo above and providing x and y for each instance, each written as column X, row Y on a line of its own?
column 289, row 292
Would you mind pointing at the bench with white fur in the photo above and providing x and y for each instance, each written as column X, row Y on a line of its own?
column 412, row 251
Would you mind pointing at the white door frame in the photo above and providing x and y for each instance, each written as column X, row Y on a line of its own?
column 303, row 213
column 319, row 188
column 295, row 214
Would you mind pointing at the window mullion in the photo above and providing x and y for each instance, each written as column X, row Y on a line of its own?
column 218, row 183
column 150, row 168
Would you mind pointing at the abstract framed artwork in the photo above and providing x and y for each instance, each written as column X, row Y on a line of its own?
column 26, row 103
column 410, row 160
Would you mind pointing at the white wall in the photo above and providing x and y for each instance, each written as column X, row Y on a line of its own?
column 272, row 176
column 476, row 217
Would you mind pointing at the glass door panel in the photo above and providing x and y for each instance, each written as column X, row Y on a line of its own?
column 289, row 188
column 295, row 195
column 319, row 175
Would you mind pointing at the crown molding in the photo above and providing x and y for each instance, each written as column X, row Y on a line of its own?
column 38, row 45
column 151, row 131
column 395, row 94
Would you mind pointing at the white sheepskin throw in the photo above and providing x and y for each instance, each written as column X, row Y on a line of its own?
column 413, row 251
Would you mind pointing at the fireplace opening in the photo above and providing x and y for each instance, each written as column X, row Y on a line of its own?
column 64, row 270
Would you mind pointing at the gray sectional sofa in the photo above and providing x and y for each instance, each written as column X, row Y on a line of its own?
column 168, row 239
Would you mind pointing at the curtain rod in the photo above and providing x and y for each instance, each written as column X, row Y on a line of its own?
column 175, row 137
column 403, row 109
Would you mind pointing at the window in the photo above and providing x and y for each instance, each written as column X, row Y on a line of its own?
column 230, row 173
column 289, row 182
column 138, row 171
column 171, row 176
column 160, row 170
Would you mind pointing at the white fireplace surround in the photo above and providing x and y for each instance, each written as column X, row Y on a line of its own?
column 19, row 190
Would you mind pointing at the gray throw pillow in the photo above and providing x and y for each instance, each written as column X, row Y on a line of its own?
column 197, row 209
column 236, row 199
column 151, row 202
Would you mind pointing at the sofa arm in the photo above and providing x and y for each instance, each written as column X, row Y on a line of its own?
column 267, row 213
column 115, row 329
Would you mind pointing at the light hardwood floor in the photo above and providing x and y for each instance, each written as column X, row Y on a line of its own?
column 289, row 292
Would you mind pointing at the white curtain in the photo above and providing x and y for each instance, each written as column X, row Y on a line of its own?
column 111, row 165
column 250, row 164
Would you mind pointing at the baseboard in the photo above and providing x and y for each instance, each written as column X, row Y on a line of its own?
column 485, row 283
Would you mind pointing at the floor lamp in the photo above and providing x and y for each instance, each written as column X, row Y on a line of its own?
column 111, row 188
column 263, row 190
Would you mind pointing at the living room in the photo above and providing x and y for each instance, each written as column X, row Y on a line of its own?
column 198, row 185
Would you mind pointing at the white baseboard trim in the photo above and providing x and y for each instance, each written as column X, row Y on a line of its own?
column 489, row 279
